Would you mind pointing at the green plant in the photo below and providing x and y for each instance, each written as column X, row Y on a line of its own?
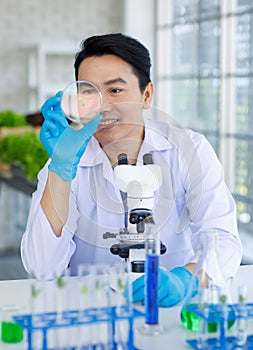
column 26, row 150
column 60, row 282
column 11, row 119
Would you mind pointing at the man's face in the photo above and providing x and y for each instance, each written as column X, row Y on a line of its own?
column 123, row 102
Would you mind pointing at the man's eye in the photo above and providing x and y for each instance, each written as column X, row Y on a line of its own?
column 87, row 91
column 115, row 91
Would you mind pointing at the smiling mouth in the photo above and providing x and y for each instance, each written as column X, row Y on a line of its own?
column 108, row 122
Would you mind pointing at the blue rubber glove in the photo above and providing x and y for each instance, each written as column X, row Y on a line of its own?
column 64, row 145
column 173, row 286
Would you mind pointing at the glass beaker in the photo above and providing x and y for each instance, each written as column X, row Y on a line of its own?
column 207, row 311
column 11, row 331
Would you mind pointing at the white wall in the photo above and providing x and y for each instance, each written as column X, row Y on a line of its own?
column 30, row 25
column 139, row 22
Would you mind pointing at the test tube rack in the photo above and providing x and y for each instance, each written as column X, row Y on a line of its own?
column 221, row 314
column 70, row 318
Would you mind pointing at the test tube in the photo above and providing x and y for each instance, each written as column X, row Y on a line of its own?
column 85, row 298
column 94, row 302
column 119, row 283
column 84, row 290
column 122, row 301
column 223, row 324
column 242, row 333
column 101, row 289
column 61, row 294
column 38, row 304
column 62, row 304
column 202, row 325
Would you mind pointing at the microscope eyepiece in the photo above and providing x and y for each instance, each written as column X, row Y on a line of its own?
column 147, row 159
column 122, row 159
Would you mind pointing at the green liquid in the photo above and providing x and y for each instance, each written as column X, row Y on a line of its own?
column 11, row 332
column 193, row 322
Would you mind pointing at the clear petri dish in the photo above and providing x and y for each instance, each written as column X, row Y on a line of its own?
column 81, row 101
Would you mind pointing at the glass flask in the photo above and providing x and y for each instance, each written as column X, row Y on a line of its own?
column 208, row 312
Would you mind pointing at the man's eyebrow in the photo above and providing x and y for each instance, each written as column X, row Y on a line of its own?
column 115, row 80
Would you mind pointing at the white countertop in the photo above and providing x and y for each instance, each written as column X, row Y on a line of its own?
column 16, row 292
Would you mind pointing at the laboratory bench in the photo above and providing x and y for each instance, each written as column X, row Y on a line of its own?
column 16, row 293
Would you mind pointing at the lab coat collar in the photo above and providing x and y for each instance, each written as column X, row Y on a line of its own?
column 157, row 136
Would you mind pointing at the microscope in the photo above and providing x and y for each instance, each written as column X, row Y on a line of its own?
column 139, row 184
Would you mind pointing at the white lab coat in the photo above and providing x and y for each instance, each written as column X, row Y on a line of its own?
column 192, row 196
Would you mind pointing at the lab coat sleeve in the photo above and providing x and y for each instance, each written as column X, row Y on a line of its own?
column 211, row 205
column 43, row 254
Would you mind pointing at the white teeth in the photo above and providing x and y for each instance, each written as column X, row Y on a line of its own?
column 108, row 122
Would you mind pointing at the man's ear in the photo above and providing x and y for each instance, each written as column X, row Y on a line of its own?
column 147, row 95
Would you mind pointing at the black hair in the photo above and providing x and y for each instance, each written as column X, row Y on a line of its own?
column 128, row 49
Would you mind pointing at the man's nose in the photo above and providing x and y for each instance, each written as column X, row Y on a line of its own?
column 106, row 104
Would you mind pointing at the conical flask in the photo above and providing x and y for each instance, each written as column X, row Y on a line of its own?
column 207, row 313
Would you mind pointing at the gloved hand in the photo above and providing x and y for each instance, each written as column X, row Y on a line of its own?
column 64, row 145
column 173, row 286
